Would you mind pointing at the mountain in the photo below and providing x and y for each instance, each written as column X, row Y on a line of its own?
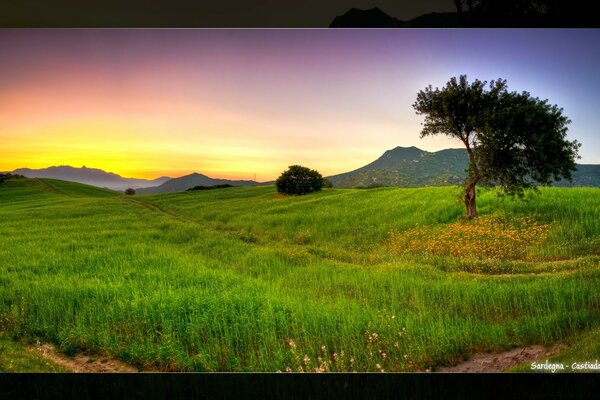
column 371, row 18
column 413, row 167
column 585, row 175
column 183, row 183
column 90, row 176
column 375, row 18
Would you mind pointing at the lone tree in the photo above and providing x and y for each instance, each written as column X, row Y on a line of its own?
column 514, row 141
column 299, row 180
column 130, row 191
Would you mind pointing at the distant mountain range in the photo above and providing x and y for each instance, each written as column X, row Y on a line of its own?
column 183, row 183
column 399, row 167
column 375, row 18
column 90, row 176
column 413, row 167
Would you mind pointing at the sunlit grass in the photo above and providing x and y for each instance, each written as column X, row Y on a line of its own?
column 224, row 280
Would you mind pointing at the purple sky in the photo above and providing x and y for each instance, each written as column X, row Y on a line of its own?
column 233, row 103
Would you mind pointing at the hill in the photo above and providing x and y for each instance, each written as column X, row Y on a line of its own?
column 15, row 190
column 89, row 176
column 407, row 167
column 376, row 18
column 413, row 167
column 183, row 183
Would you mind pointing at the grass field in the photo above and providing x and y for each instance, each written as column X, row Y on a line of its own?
column 244, row 279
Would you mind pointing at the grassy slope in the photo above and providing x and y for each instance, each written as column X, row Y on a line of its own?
column 226, row 279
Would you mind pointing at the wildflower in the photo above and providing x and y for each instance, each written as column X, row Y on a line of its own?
column 377, row 366
column 288, row 369
column 306, row 359
column 323, row 348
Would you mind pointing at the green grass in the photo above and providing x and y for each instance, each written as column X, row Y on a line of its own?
column 244, row 279
column 16, row 357
column 585, row 347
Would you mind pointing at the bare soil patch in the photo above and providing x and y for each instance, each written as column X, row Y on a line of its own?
column 82, row 362
column 498, row 362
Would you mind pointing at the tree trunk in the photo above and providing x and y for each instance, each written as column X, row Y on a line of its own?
column 459, row 11
column 470, row 201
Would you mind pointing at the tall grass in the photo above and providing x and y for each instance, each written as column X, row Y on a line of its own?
column 225, row 280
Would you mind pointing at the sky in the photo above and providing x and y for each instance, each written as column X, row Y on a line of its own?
column 240, row 103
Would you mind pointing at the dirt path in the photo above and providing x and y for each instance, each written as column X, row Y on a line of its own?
column 498, row 362
column 81, row 362
column 158, row 209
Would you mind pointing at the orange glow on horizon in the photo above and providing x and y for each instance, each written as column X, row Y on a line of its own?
column 123, row 109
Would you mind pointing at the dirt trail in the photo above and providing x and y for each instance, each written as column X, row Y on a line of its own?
column 158, row 209
column 498, row 362
column 82, row 362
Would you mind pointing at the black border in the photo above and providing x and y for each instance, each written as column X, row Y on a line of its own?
column 300, row 386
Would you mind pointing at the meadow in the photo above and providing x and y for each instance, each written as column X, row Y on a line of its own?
column 246, row 279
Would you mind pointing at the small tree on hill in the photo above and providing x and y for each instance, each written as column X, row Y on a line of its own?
column 130, row 191
column 513, row 140
column 8, row 175
column 299, row 180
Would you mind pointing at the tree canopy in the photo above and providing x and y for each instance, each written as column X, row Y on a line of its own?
column 514, row 141
column 525, row 13
column 299, row 180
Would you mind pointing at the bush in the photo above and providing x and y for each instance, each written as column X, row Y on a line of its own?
column 202, row 187
column 327, row 183
column 130, row 191
column 7, row 176
column 299, row 180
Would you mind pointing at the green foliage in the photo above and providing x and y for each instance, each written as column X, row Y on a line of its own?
column 7, row 176
column 130, row 191
column 224, row 280
column 299, row 180
column 523, row 143
column 201, row 187
column 18, row 357
column 513, row 140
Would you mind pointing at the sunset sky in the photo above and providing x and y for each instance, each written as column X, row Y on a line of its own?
column 234, row 103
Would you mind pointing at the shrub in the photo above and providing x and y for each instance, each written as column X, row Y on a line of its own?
column 130, row 191
column 201, row 187
column 299, row 180
column 7, row 176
